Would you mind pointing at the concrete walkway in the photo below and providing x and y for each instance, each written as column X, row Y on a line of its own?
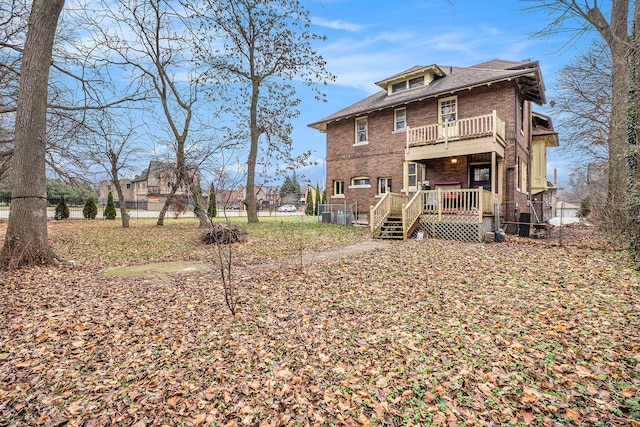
column 161, row 272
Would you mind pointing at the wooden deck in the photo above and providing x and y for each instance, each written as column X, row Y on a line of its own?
column 442, row 209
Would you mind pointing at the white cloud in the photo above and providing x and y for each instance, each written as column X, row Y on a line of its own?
column 337, row 24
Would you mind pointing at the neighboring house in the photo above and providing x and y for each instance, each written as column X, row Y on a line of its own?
column 265, row 196
column 304, row 190
column 447, row 143
column 150, row 189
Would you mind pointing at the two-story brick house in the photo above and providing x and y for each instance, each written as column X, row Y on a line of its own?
column 466, row 136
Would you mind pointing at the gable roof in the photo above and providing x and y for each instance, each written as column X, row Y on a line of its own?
column 448, row 80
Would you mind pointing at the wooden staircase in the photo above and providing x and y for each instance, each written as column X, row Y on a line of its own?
column 391, row 228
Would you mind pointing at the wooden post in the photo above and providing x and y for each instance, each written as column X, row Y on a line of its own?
column 495, row 125
column 480, row 202
column 372, row 220
column 439, row 204
column 404, row 222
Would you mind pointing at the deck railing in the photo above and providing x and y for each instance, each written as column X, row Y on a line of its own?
column 390, row 203
column 472, row 127
column 471, row 202
column 410, row 213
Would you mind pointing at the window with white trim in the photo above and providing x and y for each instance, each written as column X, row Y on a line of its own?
column 360, row 182
column 400, row 119
column 448, row 111
column 384, row 185
column 362, row 131
column 338, row 188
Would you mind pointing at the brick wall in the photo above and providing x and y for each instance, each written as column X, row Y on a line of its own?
column 382, row 157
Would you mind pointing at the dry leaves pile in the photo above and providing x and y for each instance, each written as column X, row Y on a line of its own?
column 421, row 333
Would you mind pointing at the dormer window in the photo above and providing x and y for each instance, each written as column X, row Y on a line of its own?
column 418, row 81
column 399, row 87
column 414, row 77
column 407, row 84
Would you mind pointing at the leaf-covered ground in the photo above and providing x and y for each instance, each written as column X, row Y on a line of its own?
column 432, row 333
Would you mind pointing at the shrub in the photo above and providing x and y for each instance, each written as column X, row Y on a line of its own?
column 90, row 210
column 110, row 210
column 62, row 210
column 178, row 208
column 585, row 206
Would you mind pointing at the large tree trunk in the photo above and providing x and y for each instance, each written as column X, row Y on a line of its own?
column 26, row 241
column 616, row 34
column 255, row 131
column 633, row 136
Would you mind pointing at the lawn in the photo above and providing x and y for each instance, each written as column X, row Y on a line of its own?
column 431, row 333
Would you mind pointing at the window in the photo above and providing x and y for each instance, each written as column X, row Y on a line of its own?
column 418, row 81
column 524, row 172
column 400, row 119
column 407, row 84
column 362, row 133
column 128, row 186
column 338, row 188
column 399, row 87
column 447, row 117
column 448, row 110
column 412, row 175
column 481, row 177
column 384, row 185
column 361, row 181
column 109, row 187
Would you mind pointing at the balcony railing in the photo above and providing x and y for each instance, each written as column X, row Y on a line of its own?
column 472, row 127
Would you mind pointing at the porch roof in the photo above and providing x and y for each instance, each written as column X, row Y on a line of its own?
column 526, row 75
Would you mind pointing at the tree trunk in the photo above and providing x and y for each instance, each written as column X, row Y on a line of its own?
column 167, row 203
column 200, row 208
column 26, row 241
column 250, row 198
column 633, row 137
column 617, row 37
column 116, row 181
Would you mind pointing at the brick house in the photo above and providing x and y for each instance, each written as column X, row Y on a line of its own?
column 444, row 140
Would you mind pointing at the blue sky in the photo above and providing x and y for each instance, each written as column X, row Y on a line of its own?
column 368, row 41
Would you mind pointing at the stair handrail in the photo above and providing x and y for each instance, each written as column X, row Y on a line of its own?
column 410, row 213
column 379, row 213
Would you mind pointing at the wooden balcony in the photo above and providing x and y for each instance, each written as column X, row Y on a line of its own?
column 473, row 135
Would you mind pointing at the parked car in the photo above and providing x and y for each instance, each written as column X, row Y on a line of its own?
column 287, row 208
column 234, row 206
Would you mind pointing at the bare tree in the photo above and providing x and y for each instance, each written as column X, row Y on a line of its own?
column 26, row 240
column 151, row 40
column 113, row 147
column 586, row 16
column 583, row 104
column 266, row 45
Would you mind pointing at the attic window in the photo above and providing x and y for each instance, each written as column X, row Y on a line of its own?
column 407, row 84
column 418, row 81
column 399, row 87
